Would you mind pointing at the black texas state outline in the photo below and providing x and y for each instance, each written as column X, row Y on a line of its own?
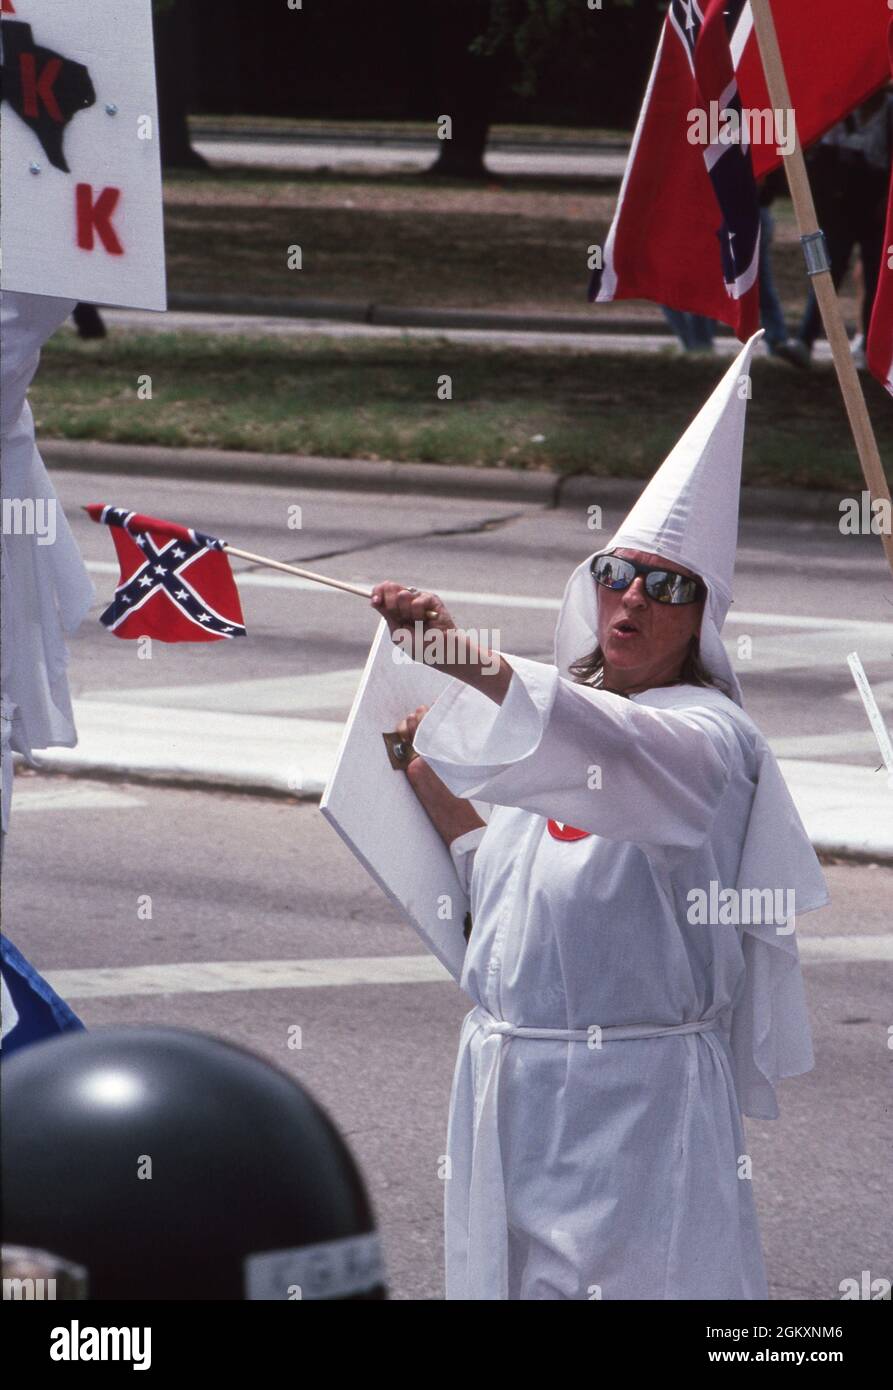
column 73, row 89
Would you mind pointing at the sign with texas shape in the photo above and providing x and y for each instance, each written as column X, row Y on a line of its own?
column 81, row 213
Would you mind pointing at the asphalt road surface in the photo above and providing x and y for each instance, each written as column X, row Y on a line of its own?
column 805, row 596
column 247, row 890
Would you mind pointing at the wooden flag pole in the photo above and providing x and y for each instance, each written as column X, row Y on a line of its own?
column 306, row 574
column 810, row 236
column 301, row 573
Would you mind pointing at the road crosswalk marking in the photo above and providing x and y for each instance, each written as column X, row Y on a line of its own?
column 213, row 977
column 294, row 694
column 83, row 796
column 222, row 977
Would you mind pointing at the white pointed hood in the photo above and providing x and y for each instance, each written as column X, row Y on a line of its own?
column 688, row 513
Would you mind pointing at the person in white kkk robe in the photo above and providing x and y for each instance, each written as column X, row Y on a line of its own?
column 632, row 952
column 72, row 165
column 45, row 592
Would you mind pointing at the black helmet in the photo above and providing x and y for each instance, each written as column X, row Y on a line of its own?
column 172, row 1165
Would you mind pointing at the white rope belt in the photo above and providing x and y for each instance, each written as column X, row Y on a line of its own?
column 484, row 1218
column 491, row 1024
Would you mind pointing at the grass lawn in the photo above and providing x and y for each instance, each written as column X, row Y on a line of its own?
column 615, row 416
column 514, row 244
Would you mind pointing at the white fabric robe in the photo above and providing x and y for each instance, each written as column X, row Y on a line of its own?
column 578, row 1171
column 45, row 590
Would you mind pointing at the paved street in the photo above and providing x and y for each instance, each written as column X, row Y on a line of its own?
column 261, row 919
column 267, row 711
column 805, row 596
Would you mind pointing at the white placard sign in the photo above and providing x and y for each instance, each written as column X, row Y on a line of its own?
column 82, row 214
column 379, row 816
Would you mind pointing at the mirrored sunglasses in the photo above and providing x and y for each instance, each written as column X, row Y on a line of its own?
column 662, row 585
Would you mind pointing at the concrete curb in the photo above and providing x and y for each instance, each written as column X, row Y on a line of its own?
column 825, row 794
column 432, row 479
column 335, row 310
column 295, row 470
column 418, row 316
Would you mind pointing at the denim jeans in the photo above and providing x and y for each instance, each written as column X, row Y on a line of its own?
column 693, row 330
column 771, row 312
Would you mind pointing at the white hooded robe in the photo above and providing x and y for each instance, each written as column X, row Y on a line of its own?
column 615, row 1171
column 613, row 1163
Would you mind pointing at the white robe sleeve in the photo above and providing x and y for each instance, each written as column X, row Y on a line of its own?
column 770, row 1031
column 586, row 757
column 462, row 851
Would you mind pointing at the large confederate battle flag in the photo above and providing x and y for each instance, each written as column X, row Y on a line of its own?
column 879, row 348
column 686, row 228
column 176, row 583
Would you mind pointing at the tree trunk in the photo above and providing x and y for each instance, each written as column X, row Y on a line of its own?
column 462, row 157
column 173, row 73
column 464, row 87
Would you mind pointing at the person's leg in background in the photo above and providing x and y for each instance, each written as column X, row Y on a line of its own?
column 694, row 331
column 771, row 312
column 88, row 321
column 870, row 229
column 702, row 331
column 679, row 322
column 833, row 186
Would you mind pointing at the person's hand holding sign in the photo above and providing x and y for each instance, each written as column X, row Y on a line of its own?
column 410, row 722
column 451, row 815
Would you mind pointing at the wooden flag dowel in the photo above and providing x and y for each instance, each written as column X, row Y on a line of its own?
column 301, row 573
column 306, row 574
column 826, row 295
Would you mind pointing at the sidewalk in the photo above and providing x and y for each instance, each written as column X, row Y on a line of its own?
column 847, row 810
column 603, row 330
column 598, row 320
column 344, row 151
column 398, row 133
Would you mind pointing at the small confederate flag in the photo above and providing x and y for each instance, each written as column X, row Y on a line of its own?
column 176, row 583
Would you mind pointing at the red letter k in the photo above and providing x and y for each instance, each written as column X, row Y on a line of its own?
column 96, row 217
